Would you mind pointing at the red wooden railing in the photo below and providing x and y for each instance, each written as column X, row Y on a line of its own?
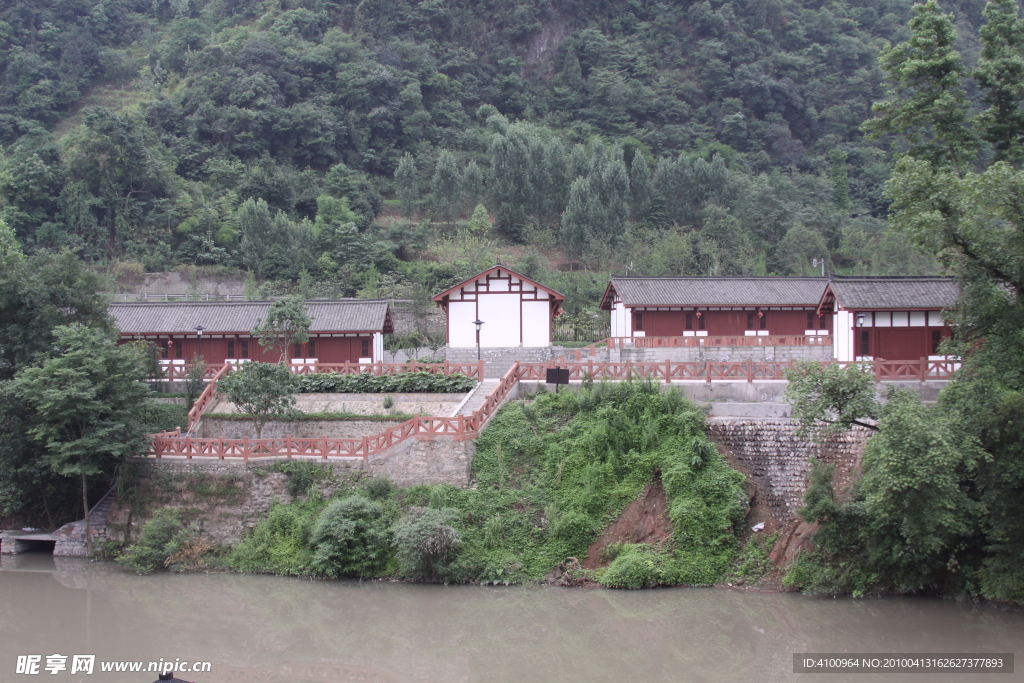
column 467, row 427
column 721, row 340
column 474, row 369
column 206, row 398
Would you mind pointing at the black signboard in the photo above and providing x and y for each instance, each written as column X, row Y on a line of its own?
column 557, row 376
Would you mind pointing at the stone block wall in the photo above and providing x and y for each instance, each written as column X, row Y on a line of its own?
column 429, row 460
column 224, row 498
column 219, row 428
column 779, row 461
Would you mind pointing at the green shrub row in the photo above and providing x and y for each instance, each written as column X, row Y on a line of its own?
column 365, row 383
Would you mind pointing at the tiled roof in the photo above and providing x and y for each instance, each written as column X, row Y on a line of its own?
column 894, row 292
column 554, row 294
column 357, row 315
column 719, row 291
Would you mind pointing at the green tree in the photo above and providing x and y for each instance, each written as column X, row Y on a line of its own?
column 1000, row 74
column 86, row 405
column 472, row 184
column 927, row 104
column 829, row 399
column 478, row 222
column 445, row 185
column 407, row 185
column 287, row 323
column 263, row 391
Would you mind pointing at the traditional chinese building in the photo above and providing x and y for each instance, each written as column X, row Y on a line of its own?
column 715, row 306
column 513, row 309
column 888, row 318
column 342, row 331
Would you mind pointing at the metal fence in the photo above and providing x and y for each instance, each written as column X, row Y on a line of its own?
column 580, row 330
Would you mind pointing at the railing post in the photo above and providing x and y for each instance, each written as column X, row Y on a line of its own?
column 323, row 447
column 750, row 370
column 878, row 372
column 288, row 445
column 245, row 449
column 924, row 369
column 366, row 448
column 668, row 372
column 220, row 448
column 707, row 371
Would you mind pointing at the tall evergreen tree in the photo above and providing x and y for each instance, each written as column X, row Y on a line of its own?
column 407, row 185
column 1000, row 73
column 445, row 185
column 927, row 104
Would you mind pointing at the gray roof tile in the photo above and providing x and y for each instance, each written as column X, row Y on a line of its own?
column 895, row 292
column 179, row 317
column 720, row 291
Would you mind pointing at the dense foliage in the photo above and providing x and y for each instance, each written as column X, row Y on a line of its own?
column 549, row 477
column 365, row 383
column 938, row 508
column 707, row 137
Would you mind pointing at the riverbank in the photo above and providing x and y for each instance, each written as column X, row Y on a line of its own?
column 616, row 484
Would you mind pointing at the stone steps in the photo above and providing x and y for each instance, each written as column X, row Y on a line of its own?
column 479, row 395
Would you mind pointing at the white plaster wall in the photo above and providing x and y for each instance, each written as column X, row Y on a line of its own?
column 461, row 331
column 500, row 313
column 620, row 320
column 378, row 346
column 536, row 323
column 842, row 326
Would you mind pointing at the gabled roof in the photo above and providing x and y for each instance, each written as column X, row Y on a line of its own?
column 880, row 293
column 556, row 296
column 714, row 291
column 220, row 317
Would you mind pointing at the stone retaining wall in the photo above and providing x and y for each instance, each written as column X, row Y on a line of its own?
column 365, row 404
column 229, row 497
column 778, row 460
column 220, row 428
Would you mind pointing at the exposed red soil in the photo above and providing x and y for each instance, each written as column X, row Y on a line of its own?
column 645, row 520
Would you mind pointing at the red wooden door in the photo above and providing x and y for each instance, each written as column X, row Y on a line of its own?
column 902, row 343
column 663, row 323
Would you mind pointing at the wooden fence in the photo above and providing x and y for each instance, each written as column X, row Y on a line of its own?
column 469, row 426
column 720, row 340
column 474, row 369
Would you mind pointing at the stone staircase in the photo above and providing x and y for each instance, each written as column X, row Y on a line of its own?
column 479, row 395
column 70, row 538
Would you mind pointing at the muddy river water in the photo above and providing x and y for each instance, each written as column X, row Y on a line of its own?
column 279, row 630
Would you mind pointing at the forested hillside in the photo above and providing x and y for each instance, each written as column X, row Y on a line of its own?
column 352, row 140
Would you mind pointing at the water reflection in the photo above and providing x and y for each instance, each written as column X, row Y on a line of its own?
column 255, row 628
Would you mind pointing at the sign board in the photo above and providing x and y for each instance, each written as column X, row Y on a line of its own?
column 557, row 376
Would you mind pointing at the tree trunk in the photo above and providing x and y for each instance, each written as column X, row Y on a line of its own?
column 85, row 506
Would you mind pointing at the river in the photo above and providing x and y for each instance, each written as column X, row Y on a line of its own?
column 283, row 630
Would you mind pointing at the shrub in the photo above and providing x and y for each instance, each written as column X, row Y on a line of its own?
column 350, row 539
column 639, row 566
column 365, row 383
column 161, row 537
column 280, row 544
column 575, row 528
column 426, row 542
column 379, row 488
column 302, row 475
